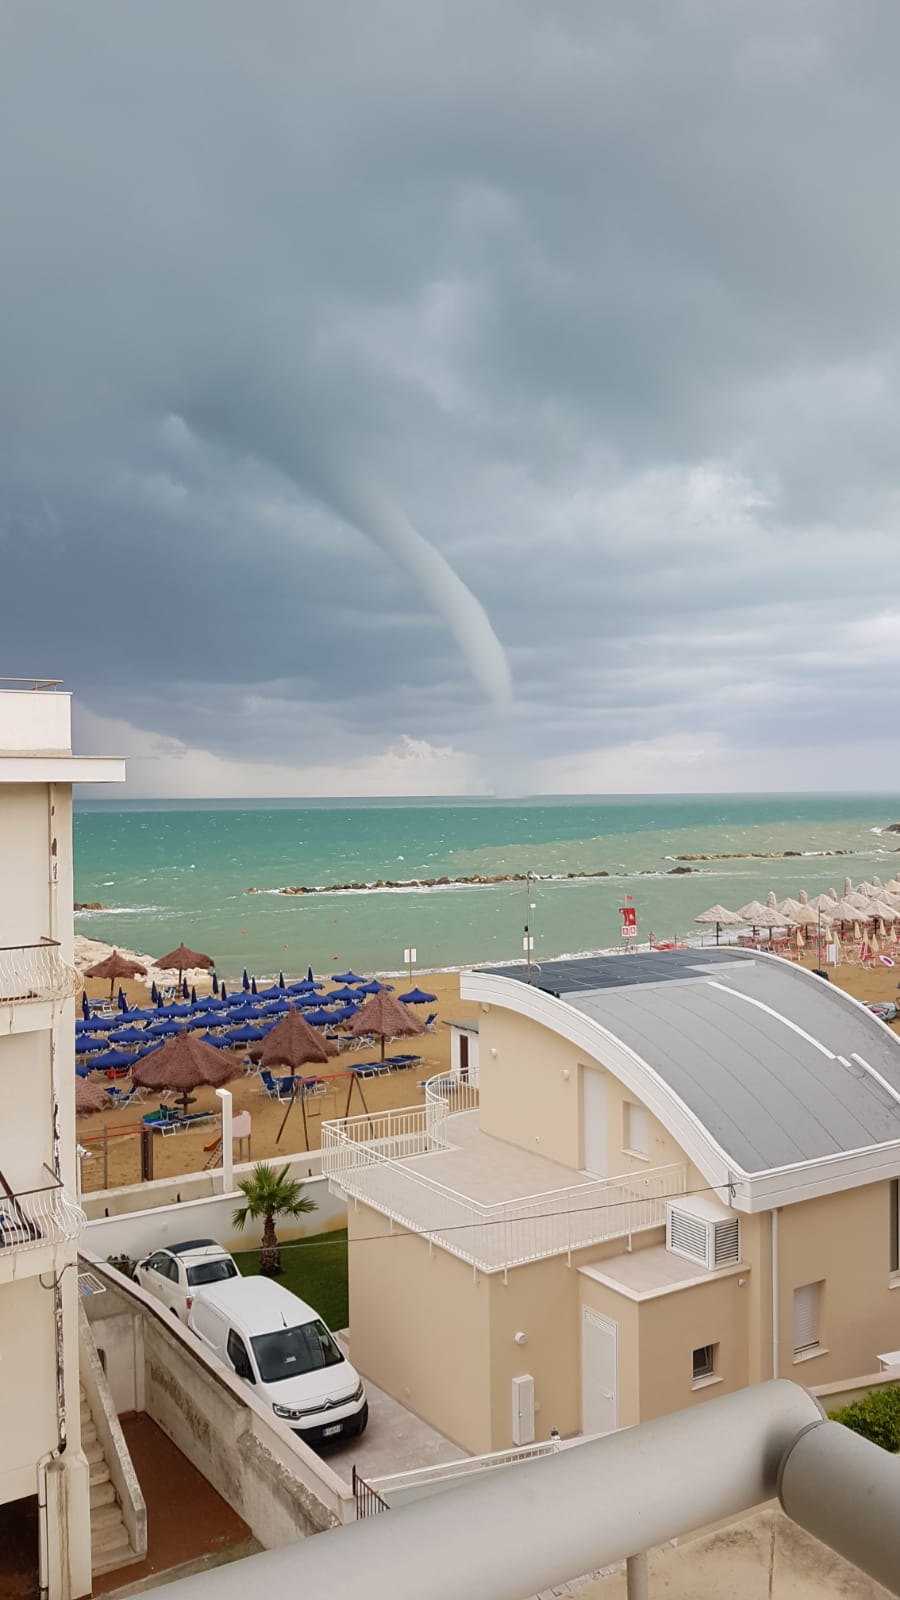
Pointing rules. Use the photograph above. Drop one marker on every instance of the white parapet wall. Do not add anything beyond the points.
(136, 1233)
(276, 1483)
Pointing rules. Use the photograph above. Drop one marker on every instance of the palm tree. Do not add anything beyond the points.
(270, 1194)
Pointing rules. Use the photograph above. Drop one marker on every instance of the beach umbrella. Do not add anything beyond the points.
(115, 966)
(419, 997)
(343, 994)
(722, 917)
(309, 975)
(245, 1034)
(385, 1016)
(104, 1024)
(753, 913)
(84, 1070)
(90, 1097)
(202, 1020)
(185, 991)
(344, 1013)
(86, 1045)
(159, 1030)
(85, 1008)
(292, 1043)
(128, 1036)
(253, 988)
(281, 980)
(121, 1002)
(319, 1018)
(348, 977)
(274, 992)
(154, 993)
(219, 1041)
(215, 984)
(185, 1063)
(223, 993)
(373, 987)
(182, 959)
(274, 1007)
(245, 981)
(305, 986)
(113, 1060)
(210, 1002)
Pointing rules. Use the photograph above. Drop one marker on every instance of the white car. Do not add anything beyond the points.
(175, 1273)
(281, 1347)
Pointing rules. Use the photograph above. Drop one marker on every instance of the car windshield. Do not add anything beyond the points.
(292, 1351)
(211, 1272)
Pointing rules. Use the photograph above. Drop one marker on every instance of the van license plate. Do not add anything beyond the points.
(336, 1427)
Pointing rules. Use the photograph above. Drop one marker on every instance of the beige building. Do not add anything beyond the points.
(678, 1175)
(44, 1489)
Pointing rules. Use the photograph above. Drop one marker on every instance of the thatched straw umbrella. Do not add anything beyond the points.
(183, 959)
(184, 1063)
(115, 966)
(721, 916)
(387, 1017)
(90, 1097)
(293, 1043)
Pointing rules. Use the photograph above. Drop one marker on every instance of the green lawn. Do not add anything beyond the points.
(315, 1269)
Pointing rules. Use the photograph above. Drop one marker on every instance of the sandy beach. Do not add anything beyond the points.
(187, 1152)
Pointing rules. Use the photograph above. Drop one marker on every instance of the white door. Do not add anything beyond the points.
(593, 1121)
(598, 1373)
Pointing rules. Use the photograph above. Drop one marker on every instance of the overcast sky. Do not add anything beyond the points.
(400, 396)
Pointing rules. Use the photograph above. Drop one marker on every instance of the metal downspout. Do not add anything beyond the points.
(774, 1278)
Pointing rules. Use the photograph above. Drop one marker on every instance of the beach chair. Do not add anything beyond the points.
(431, 1022)
(274, 1088)
(366, 1069)
(129, 1096)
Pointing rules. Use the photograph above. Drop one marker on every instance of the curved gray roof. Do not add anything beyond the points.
(778, 1066)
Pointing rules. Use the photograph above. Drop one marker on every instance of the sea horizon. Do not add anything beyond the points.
(165, 870)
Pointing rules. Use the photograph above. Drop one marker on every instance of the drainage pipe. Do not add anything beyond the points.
(846, 1492)
(538, 1525)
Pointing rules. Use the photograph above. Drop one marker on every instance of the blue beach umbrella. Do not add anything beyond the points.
(128, 1036)
(281, 980)
(374, 987)
(305, 986)
(343, 995)
(210, 1002)
(245, 981)
(160, 1029)
(215, 984)
(343, 1013)
(253, 989)
(154, 992)
(348, 977)
(112, 1060)
(245, 1035)
(85, 1008)
(202, 1020)
(121, 1002)
(86, 1044)
(418, 997)
(85, 1070)
(185, 991)
(103, 1024)
(218, 1041)
(319, 1018)
(223, 992)
(193, 995)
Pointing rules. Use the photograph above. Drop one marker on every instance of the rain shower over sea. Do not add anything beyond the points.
(165, 871)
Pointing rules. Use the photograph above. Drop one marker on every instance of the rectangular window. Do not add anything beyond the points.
(894, 1187)
(704, 1362)
(807, 1319)
(636, 1130)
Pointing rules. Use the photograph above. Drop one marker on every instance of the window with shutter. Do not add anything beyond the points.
(807, 1312)
(636, 1130)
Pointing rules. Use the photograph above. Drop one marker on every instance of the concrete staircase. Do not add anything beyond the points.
(110, 1545)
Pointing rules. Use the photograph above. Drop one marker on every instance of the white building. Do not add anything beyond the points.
(44, 1489)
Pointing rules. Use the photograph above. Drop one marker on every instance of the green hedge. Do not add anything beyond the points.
(876, 1418)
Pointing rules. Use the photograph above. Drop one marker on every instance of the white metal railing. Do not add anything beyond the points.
(23, 685)
(445, 1097)
(397, 1485)
(33, 1218)
(35, 972)
(369, 1159)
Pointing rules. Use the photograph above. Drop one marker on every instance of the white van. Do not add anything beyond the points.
(281, 1346)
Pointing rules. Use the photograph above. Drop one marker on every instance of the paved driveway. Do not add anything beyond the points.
(394, 1441)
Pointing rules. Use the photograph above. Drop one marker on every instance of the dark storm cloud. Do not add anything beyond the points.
(603, 299)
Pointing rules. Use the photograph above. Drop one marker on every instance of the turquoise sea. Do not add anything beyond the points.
(172, 871)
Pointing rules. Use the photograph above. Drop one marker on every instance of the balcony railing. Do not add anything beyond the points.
(33, 1218)
(446, 1097)
(35, 972)
(366, 1157)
